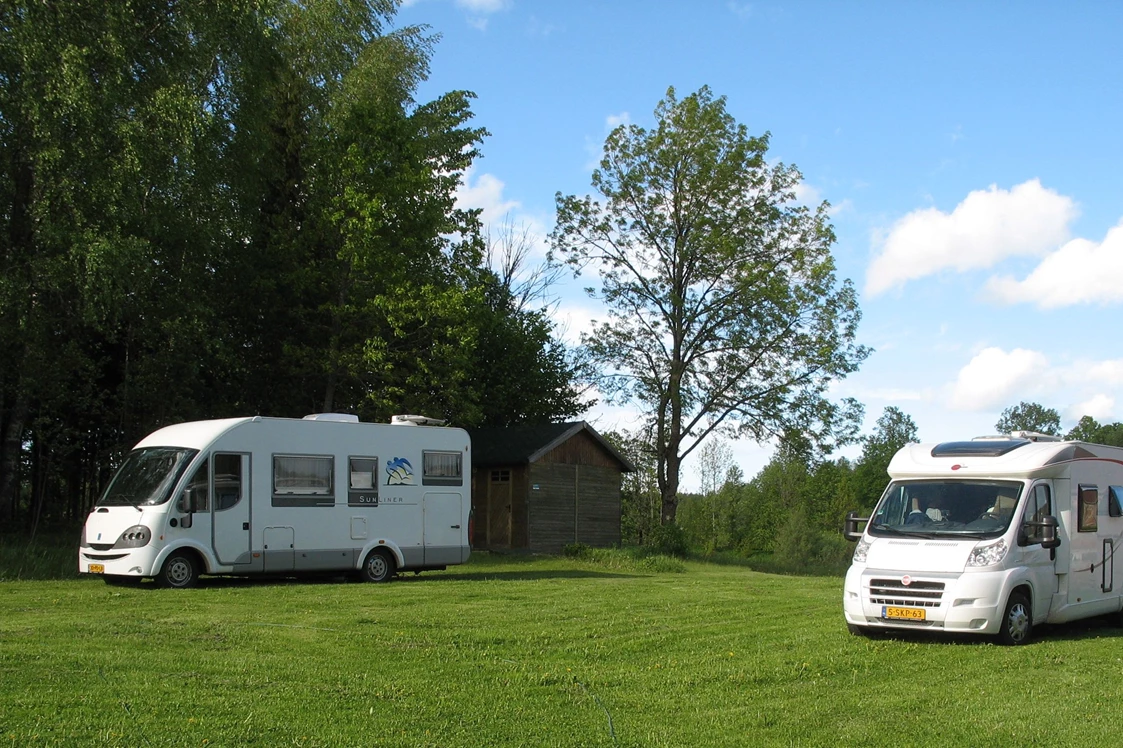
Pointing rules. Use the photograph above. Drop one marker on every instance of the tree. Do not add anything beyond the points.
(1029, 417)
(1090, 430)
(894, 429)
(724, 314)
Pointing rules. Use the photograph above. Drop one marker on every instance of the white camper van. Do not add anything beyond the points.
(989, 536)
(280, 496)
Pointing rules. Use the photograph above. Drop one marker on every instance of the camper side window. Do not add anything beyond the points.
(302, 480)
(1115, 501)
(442, 469)
(1089, 501)
(1038, 507)
(363, 481)
(227, 481)
(195, 497)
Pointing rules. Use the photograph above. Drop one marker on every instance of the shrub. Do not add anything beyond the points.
(669, 540)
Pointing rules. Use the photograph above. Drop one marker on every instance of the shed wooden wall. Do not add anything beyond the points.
(573, 504)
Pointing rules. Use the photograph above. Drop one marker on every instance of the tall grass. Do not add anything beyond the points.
(48, 554)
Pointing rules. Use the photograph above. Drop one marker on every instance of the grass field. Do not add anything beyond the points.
(526, 651)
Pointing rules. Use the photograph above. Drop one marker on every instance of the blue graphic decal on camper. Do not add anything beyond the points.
(399, 472)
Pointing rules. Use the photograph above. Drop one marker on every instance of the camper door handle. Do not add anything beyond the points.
(245, 525)
(455, 527)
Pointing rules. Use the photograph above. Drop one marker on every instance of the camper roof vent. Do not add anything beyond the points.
(1034, 436)
(995, 447)
(416, 421)
(337, 417)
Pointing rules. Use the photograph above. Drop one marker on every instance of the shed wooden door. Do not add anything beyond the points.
(499, 509)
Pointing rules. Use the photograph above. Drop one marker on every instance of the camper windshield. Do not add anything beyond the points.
(147, 476)
(939, 508)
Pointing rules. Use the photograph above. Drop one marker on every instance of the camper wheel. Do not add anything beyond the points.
(1017, 621)
(180, 571)
(379, 566)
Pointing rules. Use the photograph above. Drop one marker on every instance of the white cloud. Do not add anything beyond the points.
(501, 215)
(1080, 272)
(482, 6)
(486, 193)
(1107, 372)
(1099, 406)
(595, 148)
(986, 228)
(743, 11)
(994, 378)
(612, 121)
(807, 195)
(572, 320)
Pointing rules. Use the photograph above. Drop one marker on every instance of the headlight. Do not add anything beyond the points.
(861, 550)
(988, 555)
(136, 536)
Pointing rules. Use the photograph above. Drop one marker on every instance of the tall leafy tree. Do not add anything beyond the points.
(893, 430)
(724, 312)
(1026, 416)
(213, 209)
(108, 141)
(1091, 430)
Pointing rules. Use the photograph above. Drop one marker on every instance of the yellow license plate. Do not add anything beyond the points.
(97, 568)
(903, 614)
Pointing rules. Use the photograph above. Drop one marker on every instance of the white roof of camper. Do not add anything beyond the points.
(194, 434)
(997, 457)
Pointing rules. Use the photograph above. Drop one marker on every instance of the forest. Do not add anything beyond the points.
(218, 209)
(214, 209)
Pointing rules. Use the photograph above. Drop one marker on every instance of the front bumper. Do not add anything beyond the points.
(968, 602)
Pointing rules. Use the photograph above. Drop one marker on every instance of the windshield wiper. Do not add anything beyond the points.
(907, 533)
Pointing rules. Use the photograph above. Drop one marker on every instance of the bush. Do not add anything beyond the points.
(624, 559)
(669, 540)
(576, 550)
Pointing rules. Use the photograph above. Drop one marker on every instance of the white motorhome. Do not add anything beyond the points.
(281, 496)
(989, 536)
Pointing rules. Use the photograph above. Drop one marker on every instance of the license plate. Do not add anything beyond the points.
(903, 614)
(97, 568)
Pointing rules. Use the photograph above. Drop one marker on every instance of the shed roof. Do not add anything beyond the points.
(524, 444)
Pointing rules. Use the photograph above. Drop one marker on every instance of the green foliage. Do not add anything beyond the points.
(789, 517)
(630, 558)
(1029, 417)
(670, 540)
(1089, 430)
(894, 430)
(231, 209)
(640, 502)
(724, 310)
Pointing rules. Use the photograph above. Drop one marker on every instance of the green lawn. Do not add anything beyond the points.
(526, 652)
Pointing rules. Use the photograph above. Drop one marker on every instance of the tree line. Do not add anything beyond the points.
(791, 512)
(215, 209)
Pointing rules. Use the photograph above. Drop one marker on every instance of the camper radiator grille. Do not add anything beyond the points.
(916, 595)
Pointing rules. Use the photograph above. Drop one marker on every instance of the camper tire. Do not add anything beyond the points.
(180, 571)
(1017, 621)
(379, 566)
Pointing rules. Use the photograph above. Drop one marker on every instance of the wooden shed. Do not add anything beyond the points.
(540, 488)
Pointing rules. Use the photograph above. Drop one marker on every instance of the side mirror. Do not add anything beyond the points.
(854, 526)
(1049, 537)
(186, 506)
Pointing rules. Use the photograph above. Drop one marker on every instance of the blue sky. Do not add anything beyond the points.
(971, 153)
